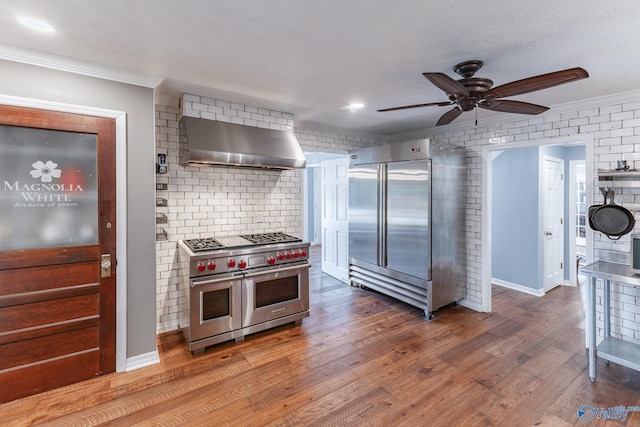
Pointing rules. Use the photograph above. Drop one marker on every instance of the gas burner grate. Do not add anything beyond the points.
(200, 245)
(266, 238)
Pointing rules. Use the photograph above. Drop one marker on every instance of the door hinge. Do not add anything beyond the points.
(561, 221)
(561, 265)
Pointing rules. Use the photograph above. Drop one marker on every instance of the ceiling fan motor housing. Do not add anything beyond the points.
(476, 87)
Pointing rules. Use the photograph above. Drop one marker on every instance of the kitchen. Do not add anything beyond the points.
(145, 316)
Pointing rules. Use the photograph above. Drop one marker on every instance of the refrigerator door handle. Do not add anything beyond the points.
(382, 215)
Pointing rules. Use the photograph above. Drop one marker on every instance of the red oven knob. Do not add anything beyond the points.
(242, 264)
(303, 253)
(288, 255)
(296, 254)
(280, 257)
(201, 267)
(272, 260)
(231, 263)
(212, 265)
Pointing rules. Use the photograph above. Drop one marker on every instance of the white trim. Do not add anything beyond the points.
(519, 288)
(143, 360)
(121, 241)
(305, 203)
(41, 59)
(488, 153)
(121, 204)
(573, 202)
(487, 212)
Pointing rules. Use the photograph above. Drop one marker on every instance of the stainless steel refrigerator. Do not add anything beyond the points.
(406, 222)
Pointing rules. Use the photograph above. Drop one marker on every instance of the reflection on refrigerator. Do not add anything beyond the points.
(406, 221)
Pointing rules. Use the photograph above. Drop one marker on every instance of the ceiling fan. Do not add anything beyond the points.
(470, 92)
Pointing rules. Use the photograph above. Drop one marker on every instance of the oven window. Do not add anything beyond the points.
(215, 304)
(277, 290)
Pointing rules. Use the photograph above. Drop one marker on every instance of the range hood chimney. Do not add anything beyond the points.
(213, 142)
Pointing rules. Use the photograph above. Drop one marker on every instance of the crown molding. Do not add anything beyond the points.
(60, 63)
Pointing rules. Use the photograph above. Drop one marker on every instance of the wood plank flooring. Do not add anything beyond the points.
(363, 359)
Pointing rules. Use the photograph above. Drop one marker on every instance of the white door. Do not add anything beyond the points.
(317, 205)
(553, 208)
(335, 228)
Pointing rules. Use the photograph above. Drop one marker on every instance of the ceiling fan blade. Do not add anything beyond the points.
(517, 107)
(449, 116)
(531, 84)
(447, 84)
(431, 104)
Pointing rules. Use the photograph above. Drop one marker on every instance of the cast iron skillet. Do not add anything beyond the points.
(594, 208)
(612, 220)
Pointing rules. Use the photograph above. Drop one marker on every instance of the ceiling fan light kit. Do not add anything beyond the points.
(471, 92)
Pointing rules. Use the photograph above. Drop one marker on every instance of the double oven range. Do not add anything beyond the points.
(234, 286)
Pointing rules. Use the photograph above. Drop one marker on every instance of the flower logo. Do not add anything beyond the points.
(45, 171)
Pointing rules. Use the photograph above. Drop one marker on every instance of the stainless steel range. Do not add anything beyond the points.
(239, 285)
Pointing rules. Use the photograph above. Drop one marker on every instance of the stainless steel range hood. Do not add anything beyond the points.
(220, 143)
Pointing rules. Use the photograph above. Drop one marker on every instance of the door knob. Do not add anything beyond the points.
(105, 266)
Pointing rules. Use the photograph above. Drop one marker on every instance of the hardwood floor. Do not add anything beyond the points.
(363, 359)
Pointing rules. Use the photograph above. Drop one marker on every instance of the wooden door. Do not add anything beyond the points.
(57, 233)
(335, 227)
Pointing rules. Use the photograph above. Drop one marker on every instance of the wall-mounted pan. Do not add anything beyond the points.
(614, 221)
(594, 208)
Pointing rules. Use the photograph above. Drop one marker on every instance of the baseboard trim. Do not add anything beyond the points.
(519, 288)
(142, 360)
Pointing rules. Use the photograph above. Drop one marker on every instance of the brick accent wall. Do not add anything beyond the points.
(205, 201)
(615, 129)
(222, 200)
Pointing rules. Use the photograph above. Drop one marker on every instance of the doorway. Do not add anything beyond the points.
(325, 210)
(58, 251)
(578, 215)
(553, 214)
(568, 147)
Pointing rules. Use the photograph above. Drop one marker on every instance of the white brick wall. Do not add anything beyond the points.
(205, 201)
(616, 136)
(261, 200)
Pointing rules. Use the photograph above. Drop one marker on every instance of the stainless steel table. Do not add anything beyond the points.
(622, 352)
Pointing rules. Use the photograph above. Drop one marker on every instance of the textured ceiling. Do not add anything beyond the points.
(313, 57)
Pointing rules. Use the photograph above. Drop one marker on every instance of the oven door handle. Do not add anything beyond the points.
(263, 272)
(198, 283)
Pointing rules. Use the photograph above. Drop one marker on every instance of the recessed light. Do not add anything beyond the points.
(36, 24)
(356, 105)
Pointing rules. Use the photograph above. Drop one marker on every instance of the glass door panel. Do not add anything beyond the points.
(48, 188)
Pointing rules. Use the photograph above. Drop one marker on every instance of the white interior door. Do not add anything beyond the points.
(553, 208)
(317, 204)
(335, 228)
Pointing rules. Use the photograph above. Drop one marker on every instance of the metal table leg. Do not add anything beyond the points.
(591, 324)
(607, 307)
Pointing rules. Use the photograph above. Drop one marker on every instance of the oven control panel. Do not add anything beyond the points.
(212, 263)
